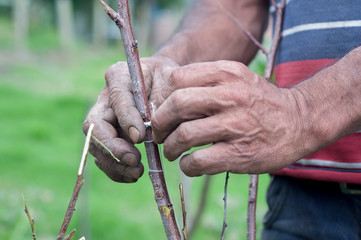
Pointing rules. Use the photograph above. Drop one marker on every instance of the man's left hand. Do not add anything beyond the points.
(251, 125)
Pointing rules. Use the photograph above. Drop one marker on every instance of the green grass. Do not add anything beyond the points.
(44, 98)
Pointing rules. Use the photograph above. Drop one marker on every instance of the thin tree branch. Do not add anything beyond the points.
(78, 184)
(252, 201)
(201, 206)
(275, 40)
(271, 56)
(31, 220)
(156, 174)
(245, 31)
(184, 230)
(70, 235)
(112, 14)
(225, 206)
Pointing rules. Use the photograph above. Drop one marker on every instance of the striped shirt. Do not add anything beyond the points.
(315, 34)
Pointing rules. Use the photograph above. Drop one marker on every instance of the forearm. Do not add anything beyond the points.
(331, 101)
(207, 33)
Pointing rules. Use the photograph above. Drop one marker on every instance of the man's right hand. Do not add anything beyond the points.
(118, 124)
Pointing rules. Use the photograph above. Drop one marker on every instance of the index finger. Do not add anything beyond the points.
(188, 104)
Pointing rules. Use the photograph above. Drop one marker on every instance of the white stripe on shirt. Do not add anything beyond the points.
(326, 163)
(322, 25)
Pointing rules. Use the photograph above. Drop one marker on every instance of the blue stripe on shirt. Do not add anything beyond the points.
(319, 44)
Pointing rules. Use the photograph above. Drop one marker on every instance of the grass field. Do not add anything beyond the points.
(44, 98)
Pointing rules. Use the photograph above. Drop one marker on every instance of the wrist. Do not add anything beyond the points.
(313, 132)
(330, 103)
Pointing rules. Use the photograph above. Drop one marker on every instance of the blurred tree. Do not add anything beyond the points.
(65, 22)
(21, 26)
(100, 22)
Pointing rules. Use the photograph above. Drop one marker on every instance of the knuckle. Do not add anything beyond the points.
(232, 65)
(117, 73)
(86, 125)
(176, 100)
(109, 74)
(231, 69)
(185, 135)
(197, 161)
(115, 98)
(113, 69)
(176, 76)
(155, 123)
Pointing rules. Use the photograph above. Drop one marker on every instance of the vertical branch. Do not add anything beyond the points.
(271, 56)
(253, 184)
(201, 205)
(252, 201)
(156, 174)
(184, 230)
(225, 206)
(31, 220)
(78, 184)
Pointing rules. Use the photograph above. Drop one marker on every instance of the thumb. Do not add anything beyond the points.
(122, 102)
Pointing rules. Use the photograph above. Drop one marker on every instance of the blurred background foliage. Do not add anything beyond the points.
(53, 56)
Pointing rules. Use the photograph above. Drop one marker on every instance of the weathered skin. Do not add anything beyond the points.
(264, 128)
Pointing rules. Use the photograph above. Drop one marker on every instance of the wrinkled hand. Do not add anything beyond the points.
(118, 123)
(252, 126)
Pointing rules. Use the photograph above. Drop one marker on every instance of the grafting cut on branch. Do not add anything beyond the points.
(271, 55)
(78, 184)
(156, 174)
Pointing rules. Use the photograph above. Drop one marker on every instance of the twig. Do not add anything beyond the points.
(245, 31)
(70, 235)
(78, 184)
(165, 207)
(225, 206)
(253, 184)
(31, 220)
(184, 230)
(201, 206)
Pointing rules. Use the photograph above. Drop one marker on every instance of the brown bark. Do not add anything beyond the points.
(156, 174)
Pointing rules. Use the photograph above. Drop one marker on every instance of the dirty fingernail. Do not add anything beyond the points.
(134, 134)
(130, 159)
(128, 179)
(134, 172)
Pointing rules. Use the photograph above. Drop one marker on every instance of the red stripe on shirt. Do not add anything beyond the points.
(291, 73)
(345, 150)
